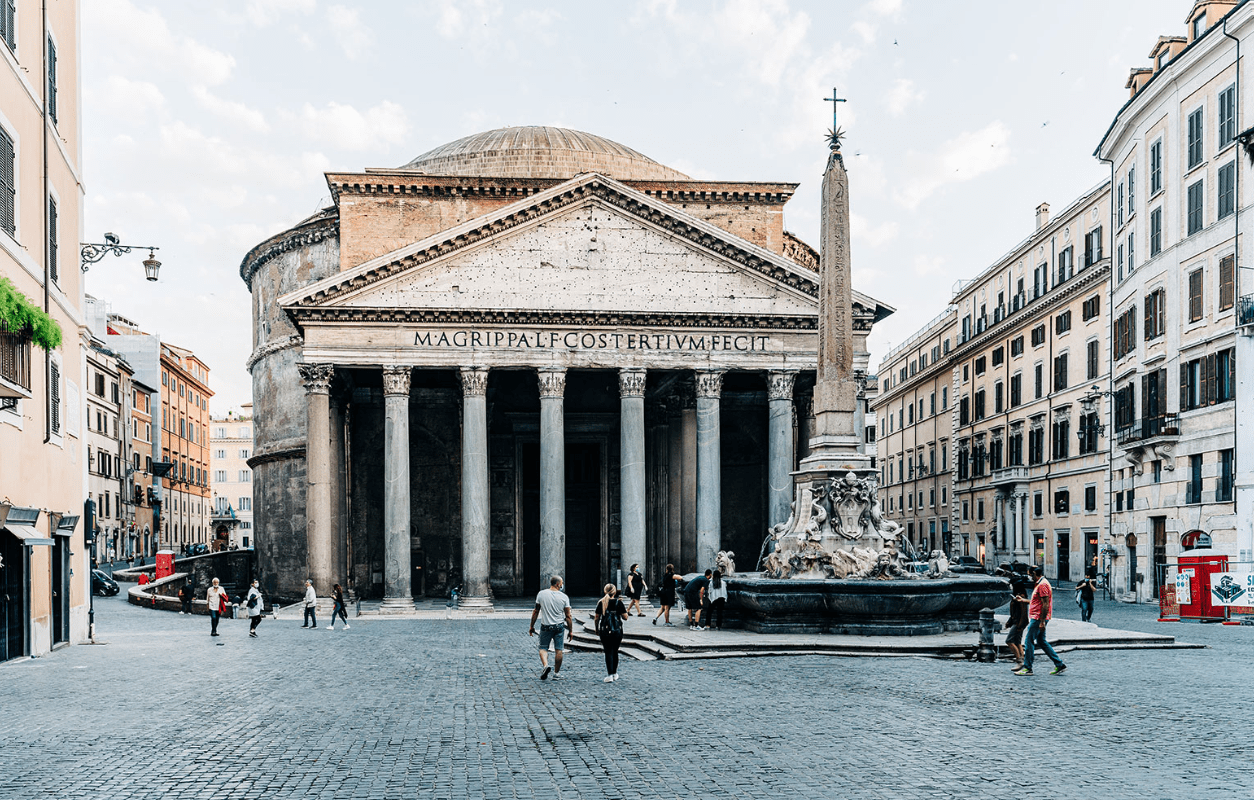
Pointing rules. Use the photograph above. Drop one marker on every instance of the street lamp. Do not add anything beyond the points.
(90, 253)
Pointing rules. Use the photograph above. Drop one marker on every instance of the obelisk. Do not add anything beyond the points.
(834, 446)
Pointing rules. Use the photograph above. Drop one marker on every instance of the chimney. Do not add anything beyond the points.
(1042, 216)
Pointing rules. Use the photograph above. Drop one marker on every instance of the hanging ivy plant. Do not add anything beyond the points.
(19, 315)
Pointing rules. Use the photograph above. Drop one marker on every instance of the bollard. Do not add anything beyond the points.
(987, 652)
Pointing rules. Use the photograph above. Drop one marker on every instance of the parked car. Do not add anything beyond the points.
(967, 564)
(102, 584)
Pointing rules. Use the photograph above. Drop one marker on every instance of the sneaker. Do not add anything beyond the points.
(253, 634)
(1023, 671)
(655, 620)
(332, 627)
(615, 676)
(1058, 670)
(345, 626)
(544, 675)
(304, 626)
(557, 676)
(608, 679)
(670, 624)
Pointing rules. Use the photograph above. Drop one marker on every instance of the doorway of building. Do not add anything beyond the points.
(1130, 541)
(1158, 527)
(12, 597)
(60, 589)
(1090, 555)
(583, 519)
(1064, 556)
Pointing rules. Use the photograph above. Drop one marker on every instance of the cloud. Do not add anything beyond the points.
(925, 265)
(264, 12)
(459, 18)
(353, 35)
(864, 232)
(885, 8)
(901, 96)
(230, 110)
(140, 38)
(346, 127)
(135, 96)
(866, 30)
(964, 158)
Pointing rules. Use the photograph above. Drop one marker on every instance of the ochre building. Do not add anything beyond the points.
(532, 351)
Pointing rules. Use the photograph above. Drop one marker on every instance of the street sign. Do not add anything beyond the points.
(1232, 588)
(1184, 587)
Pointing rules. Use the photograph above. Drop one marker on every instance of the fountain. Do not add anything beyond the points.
(835, 566)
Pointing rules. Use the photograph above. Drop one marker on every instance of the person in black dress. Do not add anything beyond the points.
(636, 588)
(610, 616)
(666, 595)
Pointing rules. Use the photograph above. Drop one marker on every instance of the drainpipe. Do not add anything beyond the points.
(1110, 386)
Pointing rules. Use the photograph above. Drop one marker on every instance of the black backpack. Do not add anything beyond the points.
(611, 623)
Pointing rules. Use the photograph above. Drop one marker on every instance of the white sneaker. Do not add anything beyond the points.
(332, 627)
(557, 676)
(345, 626)
(608, 679)
(614, 676)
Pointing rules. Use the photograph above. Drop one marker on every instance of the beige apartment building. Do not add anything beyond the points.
(1179, 155)
(231, 442)
(107, 433)
(992, 417)
(185, 415)
(44, 575)
(139, 491)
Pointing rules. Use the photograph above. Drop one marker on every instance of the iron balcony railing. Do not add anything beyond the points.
(14, 364)
(1245, 311)
(1149, 428)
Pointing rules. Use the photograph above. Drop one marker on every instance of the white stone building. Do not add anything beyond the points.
(231, 445)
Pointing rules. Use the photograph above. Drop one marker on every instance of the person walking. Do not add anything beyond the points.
(1018, 620)
(666, 595)
(339, 609)
(1040, 611)
(215, 599)
(716, 594)
(610, 615)
(254, 603)
(636, 587)
(553, 611)
(311, 603)
(694, 599)
(186, 593)
(1084, 594)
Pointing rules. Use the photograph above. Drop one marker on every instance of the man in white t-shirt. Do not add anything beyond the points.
(553, 611)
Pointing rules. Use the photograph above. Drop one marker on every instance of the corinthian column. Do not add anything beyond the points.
(397, 592)
(476, 533)
(631, 384)
(709, 471)
(319, 545)
(552, 474)
(779, 386)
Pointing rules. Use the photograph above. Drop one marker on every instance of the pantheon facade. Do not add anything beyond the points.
(532, 351)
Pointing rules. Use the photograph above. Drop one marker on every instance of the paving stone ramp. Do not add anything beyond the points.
(644, 641)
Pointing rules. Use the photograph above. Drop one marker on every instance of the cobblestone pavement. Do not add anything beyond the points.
(453, 709)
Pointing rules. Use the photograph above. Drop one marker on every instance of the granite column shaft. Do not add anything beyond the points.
(552, 475)
(318, 513)
(709, 468)
(476, 532)
(779, 387)
(634, 500)
(397, 580)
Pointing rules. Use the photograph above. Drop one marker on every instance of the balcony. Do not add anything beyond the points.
(1245, 312)
(14, 364)
(1165, 426)
(1009, 476)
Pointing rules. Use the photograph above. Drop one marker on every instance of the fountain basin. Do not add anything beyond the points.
(863, 607)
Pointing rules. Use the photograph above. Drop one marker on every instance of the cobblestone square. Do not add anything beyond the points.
(453, 709)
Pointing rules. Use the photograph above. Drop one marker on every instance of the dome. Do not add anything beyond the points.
(538, 151)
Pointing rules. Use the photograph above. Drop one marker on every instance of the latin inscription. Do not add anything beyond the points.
(586, 340)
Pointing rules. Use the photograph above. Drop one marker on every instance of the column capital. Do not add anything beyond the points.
(631, 382)
(709, 383)
(779, 384)
(316, 377)
(552, 382)
(474, 381)
(396, 380)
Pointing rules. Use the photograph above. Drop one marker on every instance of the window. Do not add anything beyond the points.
(910, 418)
(979, 511)
(1196, 199)
(1193, 489)
(1131, 191)
(1062, 439)
(1062, 501)
(245, 476)
(1094, 366)
(1088, 433)
(1038, 336)
(1016, 389)
(1207, 380)
(1224, 375)
(52, 240)
(1199, 25)
(1016, 346)
(999, 356)
(1066, 265)
(219, 454)
(219, 475)
(244, 453)
(932, 403)
(8, 26)
(1161, 60)
(1227, 201)
(1156, 232)
(1224, 493)
(979, 405)
(52, 81)
(1155, 314)
(54, 397)
(981, 365)
(1131, 253)
(1156, 167)
(1092, 247)
(1227, 115)
(245, 504)
(944, 397)
(1090, 498)
(1039, 380)
(1119, 205)
(1040, 281)
(1060, 372)
(1091, 308)
(8, 180)
(1195, 138)
(999, 396)
(1154, 395)
(1036, 447)
(1195, 295)
(1015, 454)
(1227, 287)
(964, 411)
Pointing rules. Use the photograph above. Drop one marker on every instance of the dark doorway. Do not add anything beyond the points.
(1090, 556)
(583, 518)
(1064, 557)
(1158, 527)
(12, 597)
(60, 589)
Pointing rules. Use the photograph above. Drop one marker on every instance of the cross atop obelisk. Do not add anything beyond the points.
(834, 99)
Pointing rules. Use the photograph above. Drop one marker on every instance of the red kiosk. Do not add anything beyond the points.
(165, 563)
(1196, 567)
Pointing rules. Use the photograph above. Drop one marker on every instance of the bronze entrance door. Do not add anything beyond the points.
(583, 519)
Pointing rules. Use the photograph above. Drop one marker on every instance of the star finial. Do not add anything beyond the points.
(834, 138)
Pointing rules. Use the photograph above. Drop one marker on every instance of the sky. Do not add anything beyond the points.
(208, 126)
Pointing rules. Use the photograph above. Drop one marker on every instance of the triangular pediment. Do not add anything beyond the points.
(590, 244)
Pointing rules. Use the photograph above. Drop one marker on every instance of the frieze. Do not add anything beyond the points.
(588, 340)
(453, 316)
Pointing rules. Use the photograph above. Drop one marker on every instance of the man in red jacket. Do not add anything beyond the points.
(1040, 611)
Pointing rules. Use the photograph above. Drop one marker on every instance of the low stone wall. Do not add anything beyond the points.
(234, 569)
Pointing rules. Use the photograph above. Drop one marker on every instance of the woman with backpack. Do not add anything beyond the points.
(254, 603)
(666, 595)
(339, 609)
(610, 615)
(717, 595)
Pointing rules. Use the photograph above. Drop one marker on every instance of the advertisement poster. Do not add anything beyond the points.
(1184, 587)
(1232, 589)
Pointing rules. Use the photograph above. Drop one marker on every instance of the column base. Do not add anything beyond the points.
(397, 605)
(475, 605)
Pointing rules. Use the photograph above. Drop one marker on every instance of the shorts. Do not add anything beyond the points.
(1015, 635)
(556, 634)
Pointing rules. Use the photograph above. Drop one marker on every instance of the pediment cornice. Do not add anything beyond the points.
(461, 316)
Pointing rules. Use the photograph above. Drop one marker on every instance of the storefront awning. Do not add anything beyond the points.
(27, 535)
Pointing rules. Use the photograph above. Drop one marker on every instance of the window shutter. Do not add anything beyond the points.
(1226, 283)
(1149, 317)
(54, 397)
(8, 185)
(8, 9)
(52, 239)
(52, 81)
(1211, 381)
